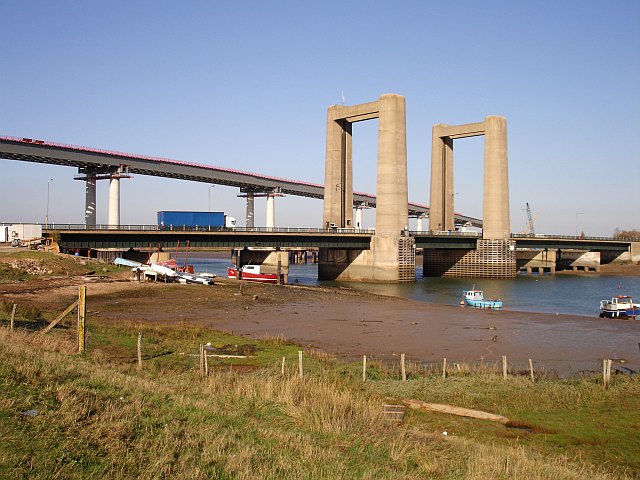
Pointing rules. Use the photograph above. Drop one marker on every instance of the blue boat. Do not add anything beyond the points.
(475, 298)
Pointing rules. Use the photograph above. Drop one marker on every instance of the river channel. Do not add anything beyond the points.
(564, 293)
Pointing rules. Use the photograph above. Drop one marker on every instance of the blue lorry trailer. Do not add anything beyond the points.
(168, 219)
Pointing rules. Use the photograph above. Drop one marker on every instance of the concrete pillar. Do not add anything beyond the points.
(359, 217)
(419, 223)
(90, 201)
(249, 220)
(495, 211)
(441, 192)
(271, 211)
(392, 198)
(338, 185)
(114, 201)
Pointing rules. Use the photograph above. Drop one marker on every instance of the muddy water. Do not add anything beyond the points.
(569, 294)
(550, 319)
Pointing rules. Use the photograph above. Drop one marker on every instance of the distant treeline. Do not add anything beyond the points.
(626, 233)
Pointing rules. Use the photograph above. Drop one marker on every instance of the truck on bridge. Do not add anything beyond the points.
(174, 220)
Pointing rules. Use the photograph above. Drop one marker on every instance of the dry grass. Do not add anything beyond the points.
(99, 420)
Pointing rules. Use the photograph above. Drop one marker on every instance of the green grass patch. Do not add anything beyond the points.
(98, 416)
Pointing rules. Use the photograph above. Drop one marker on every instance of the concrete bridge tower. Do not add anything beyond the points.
(391, 257)
(495, 252)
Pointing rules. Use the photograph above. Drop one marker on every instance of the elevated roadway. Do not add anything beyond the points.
(87, 159)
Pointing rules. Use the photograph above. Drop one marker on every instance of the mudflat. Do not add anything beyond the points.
(350, 324)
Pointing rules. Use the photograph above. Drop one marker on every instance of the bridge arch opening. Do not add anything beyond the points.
(495, 196)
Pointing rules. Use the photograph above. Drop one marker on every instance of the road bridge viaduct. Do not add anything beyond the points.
(94, 164)
(542, 254)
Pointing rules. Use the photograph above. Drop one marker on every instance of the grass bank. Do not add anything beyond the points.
(98, 416)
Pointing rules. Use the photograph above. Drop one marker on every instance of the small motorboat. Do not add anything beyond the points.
(620, 306)
(184, 277)
(475, 298)
(252, 273)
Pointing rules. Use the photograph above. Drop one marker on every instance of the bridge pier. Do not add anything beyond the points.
(90, 176)
(271, 210)
(540, 260)
(250, 211)
(114, 201)
(490, 259)
(90, 200)
(390, 259)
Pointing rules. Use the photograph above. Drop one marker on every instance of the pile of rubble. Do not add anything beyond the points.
(32, 267)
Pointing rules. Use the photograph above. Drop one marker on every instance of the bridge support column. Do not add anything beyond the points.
(114, 201)
(271, 210)
(495, 209)
(90, 201)
(419, 223)
(249, 220)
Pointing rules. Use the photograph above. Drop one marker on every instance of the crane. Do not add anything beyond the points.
(530, 221)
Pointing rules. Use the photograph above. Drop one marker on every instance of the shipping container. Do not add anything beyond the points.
(25, 231)
(178, 219)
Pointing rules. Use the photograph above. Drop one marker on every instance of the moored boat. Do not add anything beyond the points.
(252, 273)
(620, 306)
(475, 298)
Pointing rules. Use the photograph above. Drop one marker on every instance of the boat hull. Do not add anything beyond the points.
(496, 304)
(625, 313)
(252, 277)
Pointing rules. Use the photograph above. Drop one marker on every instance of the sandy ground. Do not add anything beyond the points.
(350, 324)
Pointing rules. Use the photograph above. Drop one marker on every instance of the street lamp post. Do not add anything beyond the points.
(46, 218)
(210, 187)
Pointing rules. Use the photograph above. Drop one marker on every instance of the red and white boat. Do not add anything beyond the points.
(252, 273)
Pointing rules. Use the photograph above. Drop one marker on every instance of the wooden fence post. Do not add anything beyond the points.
(282, 368)
(139, 350)
(504, 367)
(13, 314)
(200, 356)
(606, 372)
(533, 379)
(300, 372)
(444, 369)
(402, 366)
(82, 310)
(205, 359)
(364, 368)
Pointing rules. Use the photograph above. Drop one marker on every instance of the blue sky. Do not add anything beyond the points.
(246, 85)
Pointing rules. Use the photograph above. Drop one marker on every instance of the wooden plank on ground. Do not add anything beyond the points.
(462, 412)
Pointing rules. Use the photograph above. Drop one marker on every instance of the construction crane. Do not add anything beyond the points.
(530, 221)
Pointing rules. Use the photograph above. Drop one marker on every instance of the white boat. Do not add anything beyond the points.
(475, 298)
(125, 262)
(620, 306)
(184, 277)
